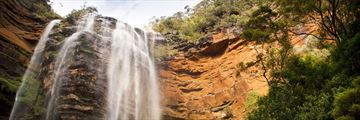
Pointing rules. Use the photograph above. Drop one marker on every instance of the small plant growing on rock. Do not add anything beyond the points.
(251, 100)
(164, 52)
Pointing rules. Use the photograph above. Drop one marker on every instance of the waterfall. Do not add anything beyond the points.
(132, 85)
(103, 70)
(33, 66)
(85, 25)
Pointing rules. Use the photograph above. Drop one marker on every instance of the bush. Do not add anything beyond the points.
(305, 79)
(251, 100)
(347, 103)
(163, 52)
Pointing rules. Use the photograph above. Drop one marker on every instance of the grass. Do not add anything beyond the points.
(251, 99)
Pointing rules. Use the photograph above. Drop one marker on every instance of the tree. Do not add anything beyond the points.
(311, 81)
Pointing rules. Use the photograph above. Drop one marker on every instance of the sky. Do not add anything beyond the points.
(137, 13)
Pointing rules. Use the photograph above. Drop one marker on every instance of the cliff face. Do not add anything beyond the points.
(69, 83)
(209, 82)
(83, 86)
(20, 29)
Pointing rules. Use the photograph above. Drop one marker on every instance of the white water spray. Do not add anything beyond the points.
(132, 85)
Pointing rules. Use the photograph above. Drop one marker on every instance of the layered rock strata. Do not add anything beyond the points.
(206, 81)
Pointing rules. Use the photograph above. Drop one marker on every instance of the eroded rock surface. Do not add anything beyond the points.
(205, 83)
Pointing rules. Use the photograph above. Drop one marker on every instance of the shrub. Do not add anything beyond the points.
(163, 52)
(347, 103)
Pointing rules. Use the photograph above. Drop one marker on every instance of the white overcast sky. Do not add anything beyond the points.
(137, 13)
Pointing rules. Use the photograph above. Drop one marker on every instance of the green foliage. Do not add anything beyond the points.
(347, 54)
(347, 103)
(43, 11)
(312, 81)
(8, 89)
(298, 91)
(336, 18)
(256, 34)
(315, 85)
(251, 100)
(77, 14)
(264, 27)
(163, 52)
(243, 66)
(207, 16)
(9, 85)
(32, 97)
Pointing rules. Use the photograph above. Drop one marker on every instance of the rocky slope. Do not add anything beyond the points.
(20, 29)
(209, 82)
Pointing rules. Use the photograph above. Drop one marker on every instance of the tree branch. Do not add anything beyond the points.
(263, 65)
(304, 33)
(323, 23)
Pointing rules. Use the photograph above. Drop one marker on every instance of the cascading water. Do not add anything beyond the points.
(85, 25)
(132, 90)
(98, 72)
(32, 70)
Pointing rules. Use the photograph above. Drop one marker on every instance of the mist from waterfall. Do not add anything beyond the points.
(123, 73)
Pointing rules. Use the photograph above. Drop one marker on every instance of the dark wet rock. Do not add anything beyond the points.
(83, 85)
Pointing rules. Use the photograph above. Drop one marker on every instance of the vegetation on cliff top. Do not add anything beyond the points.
(41, 10)
(311, 85)
(77, 14)
(206, 17)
